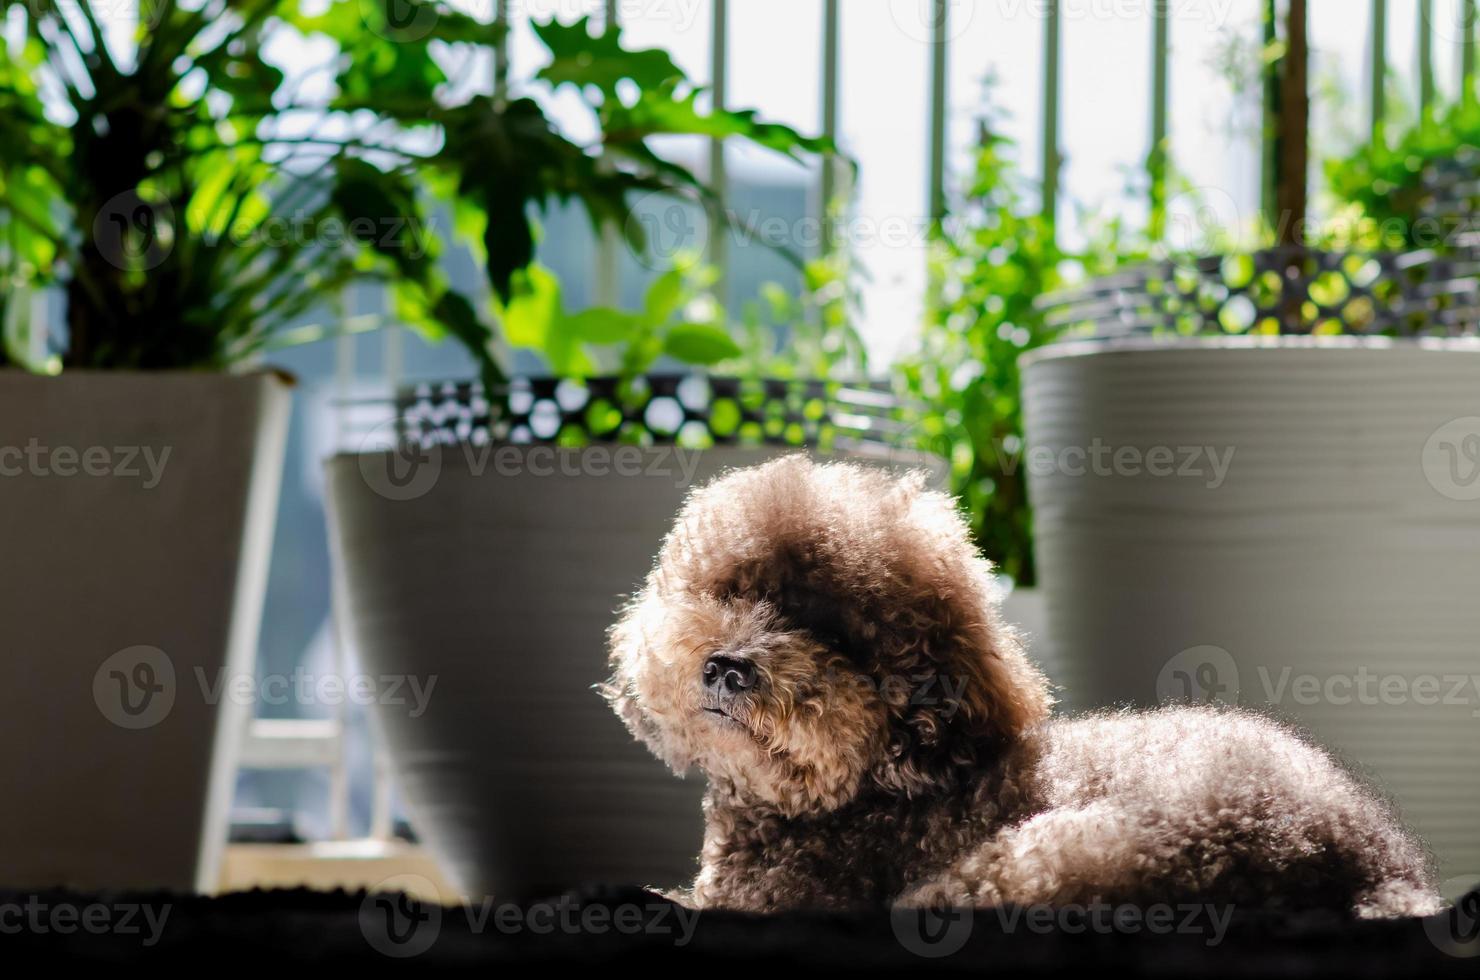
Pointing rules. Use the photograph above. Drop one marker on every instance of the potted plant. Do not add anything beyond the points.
(488, 538)
(163, 196)
(1254, 483)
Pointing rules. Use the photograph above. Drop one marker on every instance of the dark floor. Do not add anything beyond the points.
(612, 927)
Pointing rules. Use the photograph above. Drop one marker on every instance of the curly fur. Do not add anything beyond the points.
(896, 746)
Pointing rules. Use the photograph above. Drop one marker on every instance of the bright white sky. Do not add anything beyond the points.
(775, 52)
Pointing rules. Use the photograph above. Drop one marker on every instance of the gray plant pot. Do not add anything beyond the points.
(1026, 610)
(496, 582)
(136, 515)
(1329, 574)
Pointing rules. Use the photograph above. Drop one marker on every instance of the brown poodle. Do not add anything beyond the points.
(823, 641)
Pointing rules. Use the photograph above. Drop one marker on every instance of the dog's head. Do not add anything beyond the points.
(814, 631)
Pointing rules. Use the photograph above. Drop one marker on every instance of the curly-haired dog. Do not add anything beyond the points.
(823, 641)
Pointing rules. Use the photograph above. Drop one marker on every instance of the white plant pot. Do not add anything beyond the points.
(1329, 575)
(1026, 609)
(494, 585)
(136, 516)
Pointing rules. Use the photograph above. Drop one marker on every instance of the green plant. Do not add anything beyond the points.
(993, 258)
(677, 318)
(808, 335)
(150, 188)
(1379, 188)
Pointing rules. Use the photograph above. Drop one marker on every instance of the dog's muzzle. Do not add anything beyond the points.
(726, 680)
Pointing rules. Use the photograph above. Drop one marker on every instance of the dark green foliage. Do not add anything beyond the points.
(187, 228)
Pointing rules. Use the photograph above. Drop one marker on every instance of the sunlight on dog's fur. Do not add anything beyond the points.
(823, 641)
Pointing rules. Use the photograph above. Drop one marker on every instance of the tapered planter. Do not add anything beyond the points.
(136, 515)
(490, 573)
(1288, 524)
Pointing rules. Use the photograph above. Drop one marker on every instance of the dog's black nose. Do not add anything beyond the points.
(728, 675)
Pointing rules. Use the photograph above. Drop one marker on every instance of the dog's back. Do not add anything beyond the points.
(1191, 804)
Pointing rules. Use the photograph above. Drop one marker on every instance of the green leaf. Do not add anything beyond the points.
(378, 209)
(601, 325)
(665, 296)
(666, 111)
(581, 58)
(700, 343)
(533, 311)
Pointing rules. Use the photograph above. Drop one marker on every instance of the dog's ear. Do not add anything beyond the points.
(956, 681)
(958, 688)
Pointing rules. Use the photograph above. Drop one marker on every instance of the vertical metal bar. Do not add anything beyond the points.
(1051, 161)
(382, 822)
(1467, 51)
(830, 163)
(1425, 57)
(501, 50)
(1378, 68)
(38, 325)
(393, 351)
(344, 367)
(1270, 160)
(344, 382)
(719, 67)
(1158, 159)
(608, 246)
(339, 770)
(1294, 127)
(938, 54)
